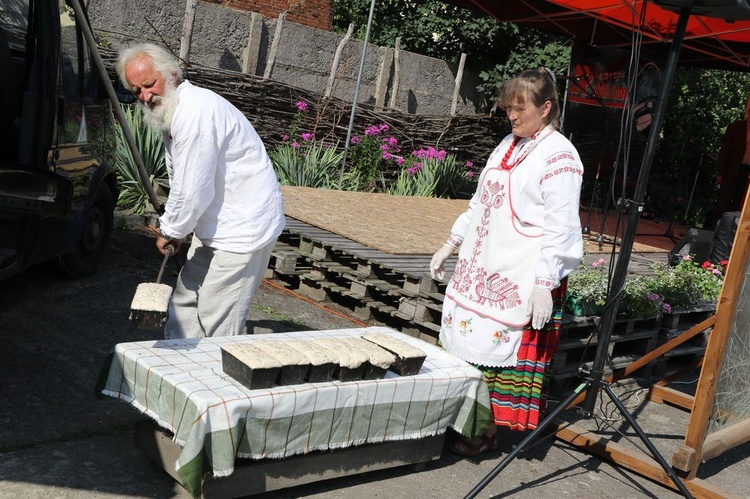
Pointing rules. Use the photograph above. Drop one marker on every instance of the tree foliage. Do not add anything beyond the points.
(701, 105)
(495, 50)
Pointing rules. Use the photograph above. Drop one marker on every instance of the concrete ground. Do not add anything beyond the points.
(57, 440)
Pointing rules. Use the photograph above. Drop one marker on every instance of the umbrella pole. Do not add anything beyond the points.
(594, 379)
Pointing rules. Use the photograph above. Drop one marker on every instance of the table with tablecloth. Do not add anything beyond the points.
(215, 419)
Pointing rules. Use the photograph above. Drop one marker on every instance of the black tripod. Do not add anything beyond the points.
(594, 382)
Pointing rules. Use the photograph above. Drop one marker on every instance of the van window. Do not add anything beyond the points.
(76, 78)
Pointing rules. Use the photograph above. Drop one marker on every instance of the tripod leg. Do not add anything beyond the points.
(526, 441)
(644, 438)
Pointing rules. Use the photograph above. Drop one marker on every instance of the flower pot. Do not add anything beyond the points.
(579, 307)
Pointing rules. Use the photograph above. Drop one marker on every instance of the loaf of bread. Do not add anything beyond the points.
(379, 359)
(409, 359)
(294, 364)
(249, 365)
(351, 361)
(323, 363)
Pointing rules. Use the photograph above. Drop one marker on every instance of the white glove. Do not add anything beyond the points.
(540, 307)
(438, 259)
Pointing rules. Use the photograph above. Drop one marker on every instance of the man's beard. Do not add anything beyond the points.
(159, 117)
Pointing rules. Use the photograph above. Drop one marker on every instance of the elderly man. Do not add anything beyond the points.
(223, 189)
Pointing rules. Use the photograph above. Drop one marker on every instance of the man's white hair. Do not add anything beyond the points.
(163, 61)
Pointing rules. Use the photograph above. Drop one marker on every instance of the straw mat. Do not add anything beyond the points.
(411, 225)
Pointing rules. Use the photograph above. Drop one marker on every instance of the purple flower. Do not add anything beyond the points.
(391, 141)
(295, 144)
(383, 127)
(354, 140)
(308, 136)
(285, 137)
(470, 174)
(469, 164)
(301, 106)
(666, 308)
(387, 155)
(400, 161)
(372, 130)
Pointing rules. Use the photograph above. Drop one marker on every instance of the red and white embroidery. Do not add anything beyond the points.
(499, 291)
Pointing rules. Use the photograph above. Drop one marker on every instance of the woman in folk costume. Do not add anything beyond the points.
(518, 240)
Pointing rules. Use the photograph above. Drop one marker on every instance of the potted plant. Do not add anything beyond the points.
(686, 285)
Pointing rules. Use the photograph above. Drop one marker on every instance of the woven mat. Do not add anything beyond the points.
(410, 225)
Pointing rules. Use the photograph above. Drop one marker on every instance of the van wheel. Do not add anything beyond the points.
(89, 251)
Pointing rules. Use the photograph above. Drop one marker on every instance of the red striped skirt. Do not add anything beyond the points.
(518, 394)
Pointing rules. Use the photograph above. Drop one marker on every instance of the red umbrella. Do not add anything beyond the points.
(719, 39)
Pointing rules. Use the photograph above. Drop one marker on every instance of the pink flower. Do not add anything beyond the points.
(383, 127)
(470, 174)
(666, 308)
(686, 258)
(301, 106)
(469, 164)
(308, 136)
(400, 161)
(354, 140)
(372, 130)
(716, 271)
(295, 144)
(285, 137)
(599, 263)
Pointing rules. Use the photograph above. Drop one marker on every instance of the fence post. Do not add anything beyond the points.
(385, 55)
(187, 32)
(252, 48)
(274, 45)
(457, 86)
(336, 60)
(396, 74)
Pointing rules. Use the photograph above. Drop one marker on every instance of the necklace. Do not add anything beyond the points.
(504, 164)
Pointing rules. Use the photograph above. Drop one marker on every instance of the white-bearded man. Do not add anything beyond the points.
(223, 189)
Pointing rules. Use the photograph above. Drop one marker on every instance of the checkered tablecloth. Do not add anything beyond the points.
(215, 419)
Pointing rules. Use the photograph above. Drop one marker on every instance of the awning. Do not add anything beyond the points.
(710, 42)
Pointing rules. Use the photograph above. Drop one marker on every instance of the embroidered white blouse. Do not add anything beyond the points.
(223, 187)
(546, 192)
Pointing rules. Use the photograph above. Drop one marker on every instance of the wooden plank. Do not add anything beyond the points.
(264, 475)
(457, 84)
(396, 72)
(662, 394)
(634, 461)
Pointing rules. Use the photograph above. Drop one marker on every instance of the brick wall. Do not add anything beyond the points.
(312, 13)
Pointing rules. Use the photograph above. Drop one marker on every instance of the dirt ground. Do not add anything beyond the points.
(58, 440)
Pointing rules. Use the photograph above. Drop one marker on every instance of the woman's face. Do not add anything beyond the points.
(526, 118)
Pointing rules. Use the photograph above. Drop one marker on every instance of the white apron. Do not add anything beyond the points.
(486, 302)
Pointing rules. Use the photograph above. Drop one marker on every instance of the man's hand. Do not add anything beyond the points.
(540, 307)
(438, 259)
(162, 242)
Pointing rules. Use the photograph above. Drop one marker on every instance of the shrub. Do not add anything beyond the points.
(150, 145)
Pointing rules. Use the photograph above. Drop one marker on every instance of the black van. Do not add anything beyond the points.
(58, 184)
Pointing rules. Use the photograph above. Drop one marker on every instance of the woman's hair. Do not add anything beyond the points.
(163, 61)
(537, 85)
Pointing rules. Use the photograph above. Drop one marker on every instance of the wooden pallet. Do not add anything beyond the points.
(398, 291)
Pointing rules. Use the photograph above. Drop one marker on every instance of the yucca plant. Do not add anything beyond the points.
(413, 183)
(310, 164)
(134, 196)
